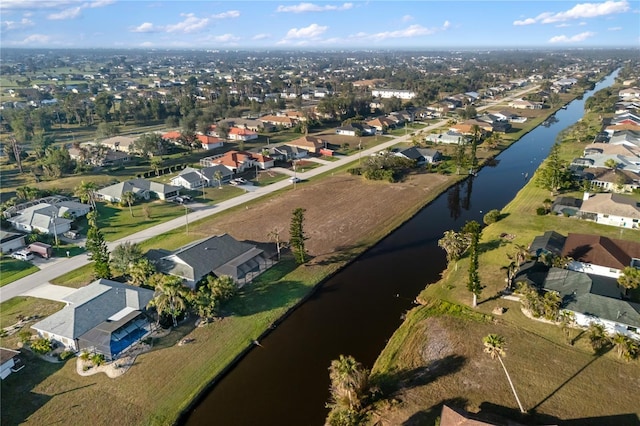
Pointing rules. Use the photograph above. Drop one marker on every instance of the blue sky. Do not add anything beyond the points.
(426, 24)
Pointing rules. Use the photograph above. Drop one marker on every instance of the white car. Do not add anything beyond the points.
(295, 179)
(23, 255)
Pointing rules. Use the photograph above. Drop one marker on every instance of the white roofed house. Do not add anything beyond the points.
(141, 188)
(104, 317)
(611, 209)
(44, 218)
(191, 178)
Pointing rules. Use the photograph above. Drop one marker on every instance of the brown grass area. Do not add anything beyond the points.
(442, 360)
(341, 211)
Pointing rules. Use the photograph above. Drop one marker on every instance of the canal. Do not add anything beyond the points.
(286, 381)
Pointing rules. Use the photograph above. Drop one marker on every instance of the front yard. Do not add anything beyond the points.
(14, 269)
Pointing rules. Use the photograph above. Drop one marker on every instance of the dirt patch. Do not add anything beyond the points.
(342, 211)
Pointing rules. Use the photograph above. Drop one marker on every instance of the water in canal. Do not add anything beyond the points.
(286, 381)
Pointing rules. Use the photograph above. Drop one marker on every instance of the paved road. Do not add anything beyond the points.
(60, 266)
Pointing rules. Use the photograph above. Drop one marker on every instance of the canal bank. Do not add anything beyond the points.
(359, 307)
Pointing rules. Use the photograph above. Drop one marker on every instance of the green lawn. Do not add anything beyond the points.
(19, 307)
(14, 269)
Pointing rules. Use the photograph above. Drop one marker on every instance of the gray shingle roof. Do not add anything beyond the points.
(91, 305)
(194, 261)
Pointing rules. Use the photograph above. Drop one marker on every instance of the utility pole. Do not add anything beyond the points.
(359, 151)
(16, 153)
(55, 231)
(186, 217)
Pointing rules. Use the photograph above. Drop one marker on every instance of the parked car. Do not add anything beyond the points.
(295, 179)
(72, 235)
(23, 254)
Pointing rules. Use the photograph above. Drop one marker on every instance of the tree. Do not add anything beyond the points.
(86, 191)
(105, 130)
(211, 294)
(455, 244)
(56, 162)
(567, 319)
(274, 235)
(99, 253)
(297, 235)
(129, 198)
(461, 156)
(492, 216)
(217, 175)
(597, 337)
(494, 346)
(627, 348)
(124, 256)
(40, 143)
(611, 163)
(170, 297)
(630, 278)
(150, 144)
(554, 173)
(140, 271)
(155, 165)
(473, 283)
(103, 105)
(349, 382)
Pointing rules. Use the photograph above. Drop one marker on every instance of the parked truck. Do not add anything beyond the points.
(41, 249)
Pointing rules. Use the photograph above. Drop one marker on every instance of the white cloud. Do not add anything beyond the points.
(311, 32)
(573, 39)
(311, 7)
(227, 14)
(146, 44)
(145, 27)
(615, 29)
(579, 11)
(564, 25)
(70, 13)
(407, 18)
(190, 24)
(225, 38)
(100, 3)
(36, 39)
(15, 25)
(411, 31)
(262, 36)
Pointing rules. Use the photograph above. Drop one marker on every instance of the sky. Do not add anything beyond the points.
(224, 25)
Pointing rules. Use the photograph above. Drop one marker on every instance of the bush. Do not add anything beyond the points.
(356, 171)
(66, 355)
(541, 211)
(84, 356)
(492, 216)
(25, 336)
(41, 346)
(97, 359)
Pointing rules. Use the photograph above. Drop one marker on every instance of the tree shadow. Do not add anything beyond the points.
(499, 414)
(342, 254)
(184, 327)
(17, 396)
(394, 381)
(491, 245)
(265, 296)
(598, 354)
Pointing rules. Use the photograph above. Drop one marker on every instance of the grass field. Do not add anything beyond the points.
(14, 269)
(13, 310)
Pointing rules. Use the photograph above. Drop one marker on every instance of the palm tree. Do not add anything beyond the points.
(494, 346)
(218, 176)
(630, 278)
(567, 318)
(170, 296)
(140, 271)
(512, 270)
(129, 198)
(274, 235)
(349, 382)
(597, 337)
(87, 193)
(455, 244)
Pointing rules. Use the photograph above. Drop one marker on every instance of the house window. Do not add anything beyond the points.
(605, 215)
(613, 271)
(633, 329)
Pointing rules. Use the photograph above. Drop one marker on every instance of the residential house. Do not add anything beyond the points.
(278, 120)
(421, 156)
(628, 138)
(468, 127)
(522, 104)
(141, 188)
(120, 143)
(310, 143)
(612, 180)
(210, 142)
(614, 128)
(238, 161)
(220, 255)
(610, 209)
(449, 137)
(105, 317)
(550, 242)
(594, 299)
(10, 362)
(287, 153)
(393, 93)
(381, 124)
(10, 241)
(173, 136)
(566, 206)
(355, 129)
(595, 254)
(238, 134)
(43, 217)
(629, 93)
(191, 178)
